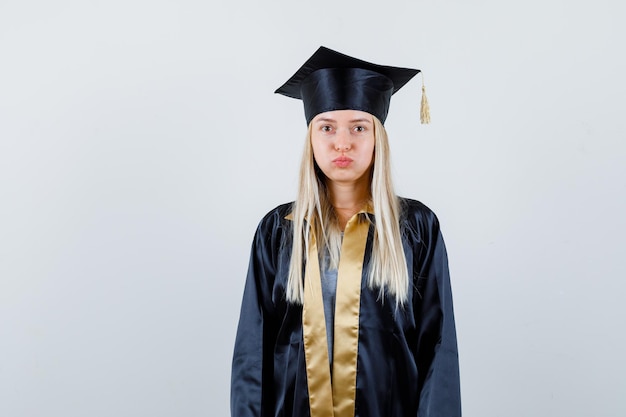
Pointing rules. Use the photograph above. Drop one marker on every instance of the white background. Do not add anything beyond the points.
(141, 142)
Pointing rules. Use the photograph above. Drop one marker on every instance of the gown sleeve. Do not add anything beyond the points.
(252, 365)
(437, 345)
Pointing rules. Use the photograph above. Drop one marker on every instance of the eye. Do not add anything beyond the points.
(359, 129)
(326, 128)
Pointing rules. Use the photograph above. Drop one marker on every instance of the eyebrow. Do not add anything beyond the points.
(329, 120)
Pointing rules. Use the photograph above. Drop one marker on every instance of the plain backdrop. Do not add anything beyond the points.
(141, 143)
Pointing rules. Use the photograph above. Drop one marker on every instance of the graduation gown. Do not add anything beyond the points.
(407, 363)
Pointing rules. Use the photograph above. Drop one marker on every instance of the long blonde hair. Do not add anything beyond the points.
(387, 267)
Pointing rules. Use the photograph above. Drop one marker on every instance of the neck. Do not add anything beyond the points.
(348, 199)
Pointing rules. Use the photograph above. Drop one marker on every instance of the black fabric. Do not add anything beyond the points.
(330, 80)
(407, 363)
(346, 88)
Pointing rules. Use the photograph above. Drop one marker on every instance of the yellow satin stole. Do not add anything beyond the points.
(334, 398)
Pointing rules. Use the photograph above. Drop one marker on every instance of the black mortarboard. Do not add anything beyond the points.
(330, 80)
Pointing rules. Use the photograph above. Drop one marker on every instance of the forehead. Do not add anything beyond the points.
(343, 116)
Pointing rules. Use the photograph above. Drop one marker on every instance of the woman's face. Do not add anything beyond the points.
(343, 144)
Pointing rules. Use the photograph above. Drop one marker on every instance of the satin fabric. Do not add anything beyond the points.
(346, 325)
(347, 308)
(330, 89)
(407, 361)
(315, 340)
(330, 80)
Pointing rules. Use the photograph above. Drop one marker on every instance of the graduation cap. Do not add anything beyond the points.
(330, 80)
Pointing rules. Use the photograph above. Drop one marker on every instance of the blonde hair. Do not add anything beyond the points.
(312, 208)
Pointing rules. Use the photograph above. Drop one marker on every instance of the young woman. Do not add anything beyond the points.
(347, 309)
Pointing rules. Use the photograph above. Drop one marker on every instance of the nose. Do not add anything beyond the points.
(342, 142)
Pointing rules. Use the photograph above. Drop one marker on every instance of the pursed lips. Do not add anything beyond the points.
(342, 161)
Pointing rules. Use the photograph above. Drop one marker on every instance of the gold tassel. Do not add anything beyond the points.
(425, 108)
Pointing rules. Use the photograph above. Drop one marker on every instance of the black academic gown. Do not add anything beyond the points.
(407, 362)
